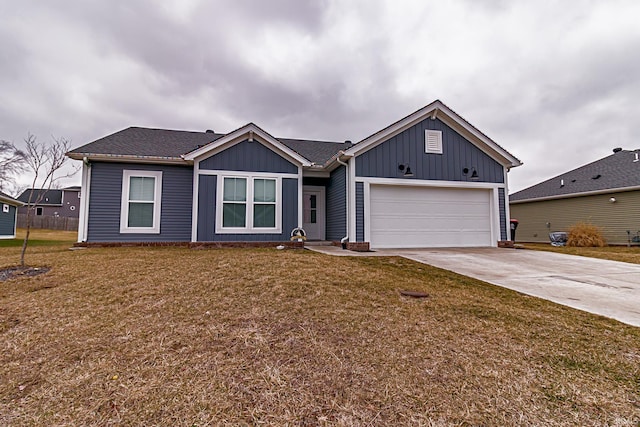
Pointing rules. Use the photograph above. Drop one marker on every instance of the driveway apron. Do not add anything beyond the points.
(608, 288)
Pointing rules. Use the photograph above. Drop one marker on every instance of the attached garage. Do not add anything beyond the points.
(419, 217)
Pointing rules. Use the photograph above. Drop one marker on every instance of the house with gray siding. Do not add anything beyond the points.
(605, 193)
(64, 202)
(8, 216)
(429, 180)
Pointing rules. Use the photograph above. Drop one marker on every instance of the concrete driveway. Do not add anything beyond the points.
(608, 288)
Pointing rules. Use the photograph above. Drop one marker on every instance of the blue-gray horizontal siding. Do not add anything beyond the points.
(408, 148)
(105, 198)
(503, 214)
(336, 219)
(360, 212)
(7, 221)
(207, 214)
(249, 157)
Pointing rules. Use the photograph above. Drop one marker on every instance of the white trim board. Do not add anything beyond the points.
(429, 183)
(124, 204)
(245, 173)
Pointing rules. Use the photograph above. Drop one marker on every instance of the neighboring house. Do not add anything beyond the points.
(63, 202)
(8, 216)
(428, 180)
(605, 193)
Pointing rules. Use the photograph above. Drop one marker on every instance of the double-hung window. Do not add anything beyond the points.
(140, 208)
(249, 205)
(234, 207)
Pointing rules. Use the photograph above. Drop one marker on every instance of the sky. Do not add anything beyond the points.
(556, 83)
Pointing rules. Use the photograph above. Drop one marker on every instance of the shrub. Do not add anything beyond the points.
(583, 234)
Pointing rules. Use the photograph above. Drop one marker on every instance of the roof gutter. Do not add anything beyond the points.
(572, 195)
(343, 241)
(11, 201)
(127, 158)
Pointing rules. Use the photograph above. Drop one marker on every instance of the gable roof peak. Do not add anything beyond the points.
(439, 110)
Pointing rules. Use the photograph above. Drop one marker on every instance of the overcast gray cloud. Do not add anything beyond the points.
(556, 83)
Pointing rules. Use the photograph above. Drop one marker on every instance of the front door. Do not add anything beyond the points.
(313, 212)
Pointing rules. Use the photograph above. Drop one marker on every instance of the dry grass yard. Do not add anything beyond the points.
(613, 253)
(173, 336)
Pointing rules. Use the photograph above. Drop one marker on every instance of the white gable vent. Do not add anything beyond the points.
(433, 141)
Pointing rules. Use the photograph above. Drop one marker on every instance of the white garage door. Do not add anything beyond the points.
(422, 217)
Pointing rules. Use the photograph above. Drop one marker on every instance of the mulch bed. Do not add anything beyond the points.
(12, 272)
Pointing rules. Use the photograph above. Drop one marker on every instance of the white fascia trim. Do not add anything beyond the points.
(249, 229)
(238, 136)
(83, 215)
(310, 173)
(451, 117)
(12, 202)
(245, 173)
(124, 205)
(479, 139)
(15, 222)
(398, 127)
(194, 202)
(572, 195)
(351, 200)
(156, 160)
(429, 183)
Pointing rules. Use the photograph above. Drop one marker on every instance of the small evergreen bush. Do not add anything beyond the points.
(585, 235)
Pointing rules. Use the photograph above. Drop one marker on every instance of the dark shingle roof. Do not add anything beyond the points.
(50, 197)
(318, 152)
(136, 141)
(618, 170)
(4, 197)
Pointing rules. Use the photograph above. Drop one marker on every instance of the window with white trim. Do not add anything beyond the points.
(249, 204)
(140, 208)
(433, 141)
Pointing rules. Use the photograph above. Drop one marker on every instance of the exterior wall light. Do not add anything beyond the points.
(404, 167)
(474, 173)
(612, 200)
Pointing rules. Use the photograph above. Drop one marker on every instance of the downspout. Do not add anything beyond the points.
(343, 241)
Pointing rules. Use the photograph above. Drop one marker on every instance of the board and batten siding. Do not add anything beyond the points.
(8, 221)
(407, 147)
(105, 198)
(614, 218)
(336, 218)
(207, 188)
(248, 157)
(504, 221)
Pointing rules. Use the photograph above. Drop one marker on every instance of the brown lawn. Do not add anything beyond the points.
(173, 336)
(613, 253)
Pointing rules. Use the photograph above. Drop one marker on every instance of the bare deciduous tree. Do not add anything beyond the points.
(12, 162)
(44, 162)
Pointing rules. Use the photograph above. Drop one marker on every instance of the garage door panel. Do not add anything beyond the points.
(429, 217)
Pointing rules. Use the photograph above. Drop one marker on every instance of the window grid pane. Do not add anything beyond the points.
(141, 188)
(264, 216)
(234, 215)
(140, 214)
(235, 190)
(264, 190)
